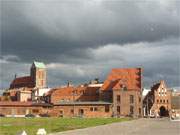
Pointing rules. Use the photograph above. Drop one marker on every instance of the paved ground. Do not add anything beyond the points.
(161, 126)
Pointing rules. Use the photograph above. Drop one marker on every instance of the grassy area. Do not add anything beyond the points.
(10, 126)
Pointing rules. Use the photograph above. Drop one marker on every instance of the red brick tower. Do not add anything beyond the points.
(38, 74)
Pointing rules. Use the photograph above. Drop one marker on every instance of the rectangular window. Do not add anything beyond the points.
(106, 108)
(131, 110)
(131, 99)
(35, 111)
(72, 111)
(139, 99)
(157, 101)
(95, 109)
(61, 113)
(139, 111)
(42, 82)
(167, 101)
(91, 109)
(118, 98)
(118, 109)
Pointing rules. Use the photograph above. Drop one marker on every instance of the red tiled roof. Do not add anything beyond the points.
(15, 103)
(129, 77)
(155, 86)
(24, 81)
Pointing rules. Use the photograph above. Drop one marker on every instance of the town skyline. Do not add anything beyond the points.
(80, 41)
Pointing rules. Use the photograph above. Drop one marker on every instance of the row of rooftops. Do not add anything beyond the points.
(117, 79)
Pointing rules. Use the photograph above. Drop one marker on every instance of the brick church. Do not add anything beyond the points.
(21, 88)
(37, 77)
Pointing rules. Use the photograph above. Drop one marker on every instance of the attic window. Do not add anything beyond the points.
(123, 87)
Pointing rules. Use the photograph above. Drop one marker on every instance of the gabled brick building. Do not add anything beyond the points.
(123, 88)
(158, 101)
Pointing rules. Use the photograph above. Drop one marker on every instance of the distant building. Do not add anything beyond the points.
(175, 105)
(22, 88)
(120, 95)
(158, 101)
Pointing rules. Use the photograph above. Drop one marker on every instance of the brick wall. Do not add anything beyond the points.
(22, 110)
(127, 103)
(81, 111)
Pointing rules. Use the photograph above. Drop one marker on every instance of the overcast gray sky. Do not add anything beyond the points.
(85, 39)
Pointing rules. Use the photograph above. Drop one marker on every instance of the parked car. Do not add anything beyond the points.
(2, 115)
(29, 115)
(152, 116)
(44, 115)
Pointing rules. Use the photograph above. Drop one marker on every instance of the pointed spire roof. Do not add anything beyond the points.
(39, 64)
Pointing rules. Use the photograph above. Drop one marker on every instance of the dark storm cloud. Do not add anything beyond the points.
(83, 40)
(59, 28)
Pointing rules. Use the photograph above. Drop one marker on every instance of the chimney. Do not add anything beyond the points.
(68, 84)
(15, 76)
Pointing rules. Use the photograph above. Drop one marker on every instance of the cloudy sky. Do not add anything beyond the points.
(80, 40)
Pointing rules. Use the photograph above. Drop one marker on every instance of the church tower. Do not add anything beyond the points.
(38, 74)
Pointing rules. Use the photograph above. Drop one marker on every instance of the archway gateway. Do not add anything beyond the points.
(163, 112)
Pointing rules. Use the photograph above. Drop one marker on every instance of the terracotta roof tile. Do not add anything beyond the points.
(129, 77)
(17, 103)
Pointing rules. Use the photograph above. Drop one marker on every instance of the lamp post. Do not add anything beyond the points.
(74, 102)
(147, 106)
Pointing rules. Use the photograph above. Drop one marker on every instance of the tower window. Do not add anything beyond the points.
(118, 109)
(118, 98)
(42, 75)
(39, 74)
(131, 99)
(131, 109)
(42, 83)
